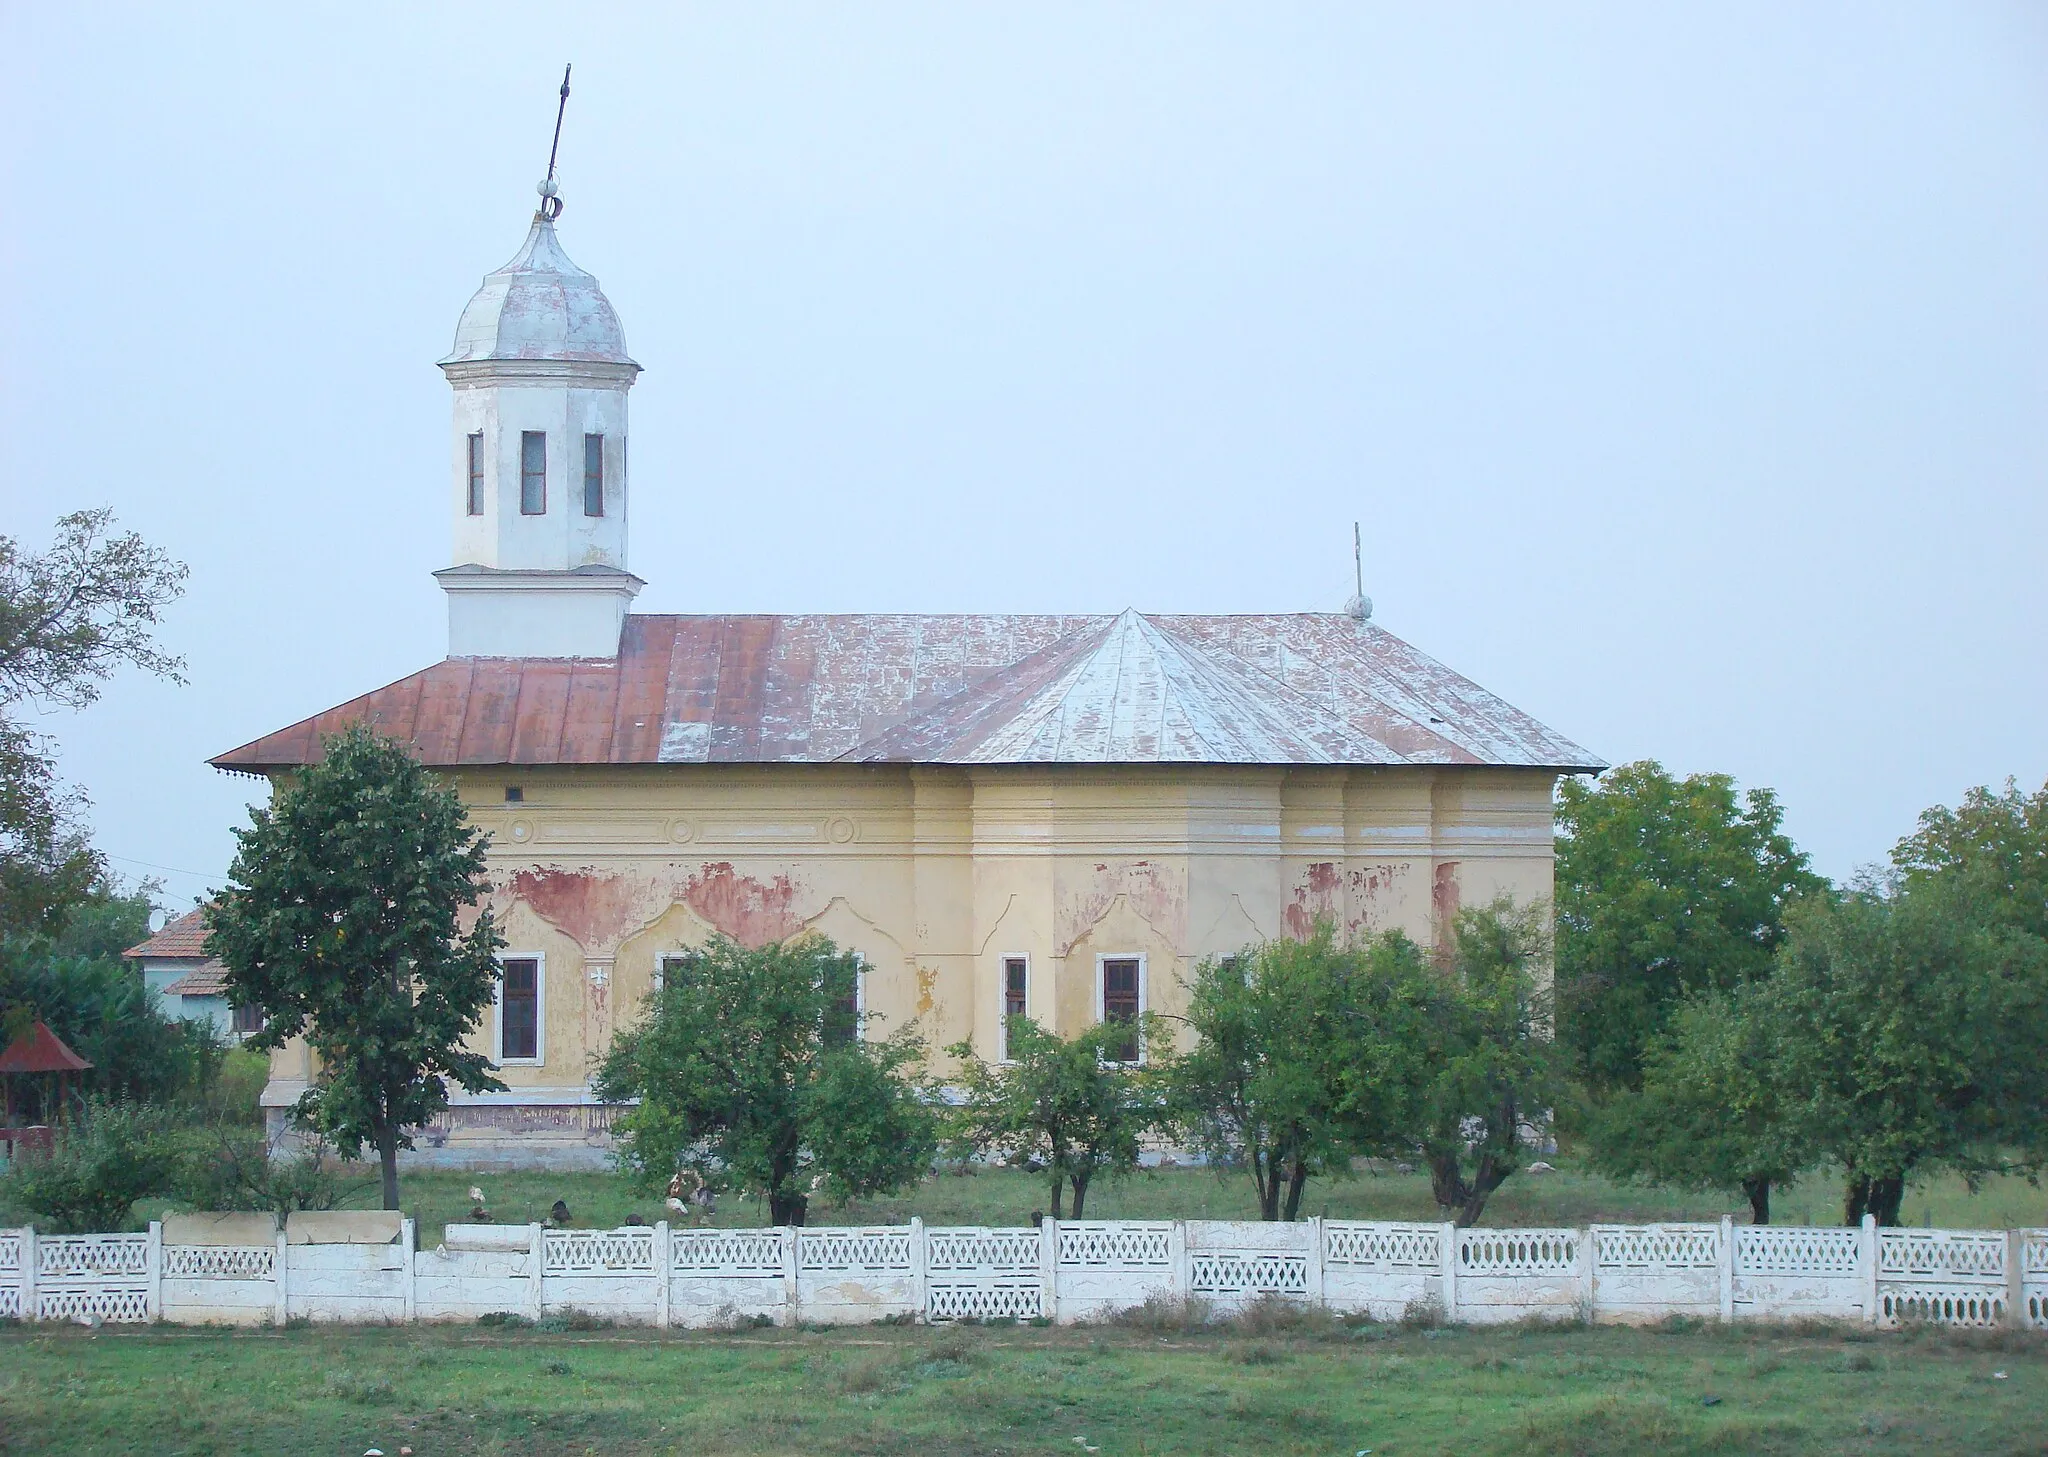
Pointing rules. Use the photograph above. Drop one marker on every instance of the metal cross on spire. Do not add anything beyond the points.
(550, 194)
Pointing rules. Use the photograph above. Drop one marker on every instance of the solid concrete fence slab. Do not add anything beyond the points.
(361, 1266)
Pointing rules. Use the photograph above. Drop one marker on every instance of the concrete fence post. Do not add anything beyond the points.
(1727, 1263)
(1589, 1273)
(1868, 1259)
(536, 1246)
(153, 1266)
(284, 1304)
(2016, 1279)
(1179, 1262)
(1315, 1260)
(1049, 1268)
(408, 1244)
(791, 1292)
(919, 1269)
(1450, 1272)
(664, 1282)
(28, 1273)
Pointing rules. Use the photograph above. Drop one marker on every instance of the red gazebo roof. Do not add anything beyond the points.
(39, 1050)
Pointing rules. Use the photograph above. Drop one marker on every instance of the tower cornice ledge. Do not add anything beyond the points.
(472, 373)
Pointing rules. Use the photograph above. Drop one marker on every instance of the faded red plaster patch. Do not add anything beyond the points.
(1311, 900)
(751, 911)
(591, 908)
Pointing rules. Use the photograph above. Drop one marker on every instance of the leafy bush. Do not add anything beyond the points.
(238, 1169)
(118, 1153)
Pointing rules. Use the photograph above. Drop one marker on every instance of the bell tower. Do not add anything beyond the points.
(539, 469)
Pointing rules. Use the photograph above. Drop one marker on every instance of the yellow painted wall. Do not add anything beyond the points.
(935, 874)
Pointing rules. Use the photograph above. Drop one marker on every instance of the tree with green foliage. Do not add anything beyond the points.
(1304, 1055)
(1665, 888)
(69, 617)
(749, 1068)
(1061, 1102)
(118, 1152)
(1910, 1033)
(343, 923)
(73, 978)
(1711, 1112)
(1990, 854)
(1492, 1073)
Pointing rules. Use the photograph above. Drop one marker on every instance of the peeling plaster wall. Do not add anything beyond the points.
(934, 874)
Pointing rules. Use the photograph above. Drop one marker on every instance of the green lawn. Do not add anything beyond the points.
(1568, 1196)
(1321, 1388)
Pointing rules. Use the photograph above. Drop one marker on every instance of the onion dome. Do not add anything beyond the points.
(540, 306)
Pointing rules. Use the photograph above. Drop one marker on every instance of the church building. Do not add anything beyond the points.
(1055, 814)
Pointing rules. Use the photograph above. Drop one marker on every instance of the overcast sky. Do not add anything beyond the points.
(1687, 371)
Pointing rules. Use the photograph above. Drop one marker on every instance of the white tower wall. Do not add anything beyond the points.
(538, 349)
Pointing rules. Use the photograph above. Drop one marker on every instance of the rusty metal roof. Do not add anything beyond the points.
(1310, 688)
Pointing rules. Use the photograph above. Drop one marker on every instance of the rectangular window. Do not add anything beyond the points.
(248, 1021)
(842, 1017)
(533, 473)
(1016, 996)
(476, 474)
(519, 1010)
(593, 475)
(1123, 995)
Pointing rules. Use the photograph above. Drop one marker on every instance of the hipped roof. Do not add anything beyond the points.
(1134, 688)
(39, 1050)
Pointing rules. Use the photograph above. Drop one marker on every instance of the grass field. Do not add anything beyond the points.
(1568, 1196)
(1313, 1388)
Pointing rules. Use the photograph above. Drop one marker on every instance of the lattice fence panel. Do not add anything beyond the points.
(836, 1250)
(993, 1251)
(1941, 1254)
(1384, 1246)
(1117, 1246)
(572, 1252)
(220, 1262)
(1518, 1251)
(726, 1251)
(1657, 1247)
(1247, 1272)
(1935, 1305)
(112, 1303)
(91, 1256)
(10, 1274)
(1783, 1250)
(1014, 1299)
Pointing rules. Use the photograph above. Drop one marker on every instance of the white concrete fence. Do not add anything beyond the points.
(363, 1267)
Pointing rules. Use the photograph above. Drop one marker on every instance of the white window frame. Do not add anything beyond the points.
(1003, 996)
(1144, 998)
(540, 1010)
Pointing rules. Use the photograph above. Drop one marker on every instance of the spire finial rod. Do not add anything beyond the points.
(1359, 608)
(550, 195)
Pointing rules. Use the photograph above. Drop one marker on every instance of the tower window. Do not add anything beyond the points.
(476, 474)
(593, 475)
(533, 473)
